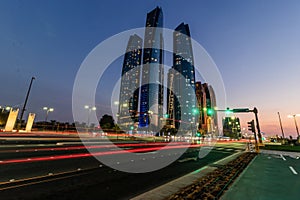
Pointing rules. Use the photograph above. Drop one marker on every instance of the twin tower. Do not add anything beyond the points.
(141, 100)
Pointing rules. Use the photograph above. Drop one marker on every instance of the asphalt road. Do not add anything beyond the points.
(85, 177)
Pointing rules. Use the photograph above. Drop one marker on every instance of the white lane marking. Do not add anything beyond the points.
(293, 170)
(283, 158)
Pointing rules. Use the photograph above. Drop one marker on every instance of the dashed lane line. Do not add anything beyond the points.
(283, 158)
(293, 170)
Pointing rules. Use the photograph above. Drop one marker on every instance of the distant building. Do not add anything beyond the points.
(206, 100)
(130, 82)
(151, 101)
(231, 127)
(201, 104)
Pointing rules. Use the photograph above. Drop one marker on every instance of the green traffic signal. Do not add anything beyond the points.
(166, 115)
(210, 112)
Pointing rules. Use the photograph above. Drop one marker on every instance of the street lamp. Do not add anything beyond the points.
(24, 106)
(8, 108)
(294, 116)
(47, 112)
(89, 108)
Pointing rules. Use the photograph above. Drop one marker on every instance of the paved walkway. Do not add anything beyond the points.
(272, 175)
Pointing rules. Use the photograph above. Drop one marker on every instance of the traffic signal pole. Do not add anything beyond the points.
(257, 125)
(251, 127)
(246, 110)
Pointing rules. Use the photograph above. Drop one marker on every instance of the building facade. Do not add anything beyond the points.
(130, 82)
(232, 127)
(181, 79)
(151, 101)
(206, 104)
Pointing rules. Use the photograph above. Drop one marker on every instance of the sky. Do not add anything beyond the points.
(255, 45)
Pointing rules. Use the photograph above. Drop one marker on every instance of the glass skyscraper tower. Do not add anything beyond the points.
(182, 80)
(129, 89)
(151, 102)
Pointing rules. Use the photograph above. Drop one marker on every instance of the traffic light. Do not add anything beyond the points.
(166, 115)
(210, 112)
(198, 134)
(251, 126)
(131, 127)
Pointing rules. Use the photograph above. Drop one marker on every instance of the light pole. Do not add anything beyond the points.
(47, 112)
(89, 108)
(149, 120)
(26, 99)
(195, 112)
(280, 125)
(294, 116)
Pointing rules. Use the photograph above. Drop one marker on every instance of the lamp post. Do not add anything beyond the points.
(89, 108)
(26, 99)
(150, 113)
(294, 116)
(47, 112)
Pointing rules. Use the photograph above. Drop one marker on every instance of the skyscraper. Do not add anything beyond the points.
(183, 79)
(129, 89)
(151, 104)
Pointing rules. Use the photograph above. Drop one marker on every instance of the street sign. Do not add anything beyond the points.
(237, 110)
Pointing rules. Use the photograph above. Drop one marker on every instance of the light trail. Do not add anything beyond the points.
(83, 155)
(89, 147)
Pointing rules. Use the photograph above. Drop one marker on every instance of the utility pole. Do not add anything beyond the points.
(280, 125)
(24, 106)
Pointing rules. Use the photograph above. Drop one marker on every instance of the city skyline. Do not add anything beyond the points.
(254, 47)
(182, 107)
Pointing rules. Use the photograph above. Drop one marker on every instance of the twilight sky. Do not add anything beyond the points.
(255, 44)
